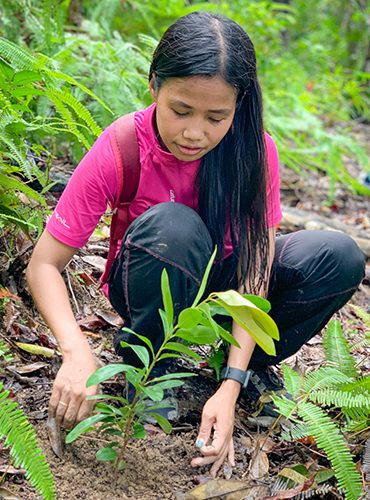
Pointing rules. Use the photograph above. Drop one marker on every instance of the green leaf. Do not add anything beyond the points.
(166, 384)
(154, 393)
(216, 360)
(204, 280)
(216, 309)
(24, 77)
(162, 422)
(83, 426)
(166, 326)
(189, 318)
(107, 454)
(177, 347)
(144, 339)
(139, 431)
(140, 351)
(258, 301)
(228, 336)
(166, 297)
(243, 317)
(171, 376)
(106, 372)
(197, 335)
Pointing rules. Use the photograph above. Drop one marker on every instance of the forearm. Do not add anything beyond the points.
(51, 297)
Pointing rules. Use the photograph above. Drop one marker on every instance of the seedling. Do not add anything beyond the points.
(124, 417)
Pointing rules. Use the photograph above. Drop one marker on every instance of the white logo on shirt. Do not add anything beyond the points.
(172, 195)
(61, 220)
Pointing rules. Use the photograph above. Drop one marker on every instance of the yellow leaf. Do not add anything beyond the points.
(39, 350)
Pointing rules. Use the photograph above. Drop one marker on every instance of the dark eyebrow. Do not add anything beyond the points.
(217, 111)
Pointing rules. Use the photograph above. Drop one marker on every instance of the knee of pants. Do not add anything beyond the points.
(325, 257)
(168, 229)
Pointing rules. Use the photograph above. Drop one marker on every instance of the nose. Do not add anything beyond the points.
(194, 132)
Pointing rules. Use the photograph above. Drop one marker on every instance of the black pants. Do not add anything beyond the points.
(314, 274)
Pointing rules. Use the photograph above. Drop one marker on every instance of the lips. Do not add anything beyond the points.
(189, 151)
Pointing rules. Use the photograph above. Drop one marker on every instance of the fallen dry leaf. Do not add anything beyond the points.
(259, 464)
(6, 494)
(6, 294)
(33, 367)
(55, 436)
(95, 261)
(38, 350)
(111, 318)
(91, 322)
(227, 489)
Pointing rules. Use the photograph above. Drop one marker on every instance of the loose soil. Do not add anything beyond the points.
(159, 466)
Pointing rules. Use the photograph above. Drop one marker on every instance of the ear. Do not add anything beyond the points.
(153, 92)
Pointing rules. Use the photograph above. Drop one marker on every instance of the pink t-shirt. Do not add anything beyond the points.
(163, 178)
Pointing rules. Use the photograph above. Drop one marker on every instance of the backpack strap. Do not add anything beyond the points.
(126, 153)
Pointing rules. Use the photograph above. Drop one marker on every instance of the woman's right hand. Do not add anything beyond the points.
(68, 403)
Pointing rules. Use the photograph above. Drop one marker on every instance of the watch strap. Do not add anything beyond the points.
(241, 376)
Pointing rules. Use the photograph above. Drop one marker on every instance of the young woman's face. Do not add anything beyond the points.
(193, 114)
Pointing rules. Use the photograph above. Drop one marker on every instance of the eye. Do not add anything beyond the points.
(213, 120)
(177, 113)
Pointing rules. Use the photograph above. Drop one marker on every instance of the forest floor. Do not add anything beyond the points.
(159, 466)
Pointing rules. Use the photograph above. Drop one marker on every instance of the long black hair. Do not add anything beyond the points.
(232, 177)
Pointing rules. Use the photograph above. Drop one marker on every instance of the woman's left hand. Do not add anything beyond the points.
(217, 416)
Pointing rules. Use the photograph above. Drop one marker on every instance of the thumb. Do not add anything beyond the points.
(204, 431)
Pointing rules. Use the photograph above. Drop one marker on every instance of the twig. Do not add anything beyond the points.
(72, 292)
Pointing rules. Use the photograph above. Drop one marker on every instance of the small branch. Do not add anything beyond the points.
(72, 292)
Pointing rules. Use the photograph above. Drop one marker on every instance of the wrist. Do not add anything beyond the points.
(73, 344)
(230, 389)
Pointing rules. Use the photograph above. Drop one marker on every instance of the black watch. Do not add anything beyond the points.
(240, 376)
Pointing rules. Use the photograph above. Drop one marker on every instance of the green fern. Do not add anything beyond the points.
(337, 350)
(21, 440)
(339, 398)
(323, 378)
(328, 437)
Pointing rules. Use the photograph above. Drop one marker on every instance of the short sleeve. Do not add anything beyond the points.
(92, 187)
(274, 213)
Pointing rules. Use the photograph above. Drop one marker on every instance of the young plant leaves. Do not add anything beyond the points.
(140, 351)
(84, 426)
(104, 373)
(144, 339)
(177, 347)
(106, 454)
(162, 422)
(197, 335)
(205, 279)
(166, 297)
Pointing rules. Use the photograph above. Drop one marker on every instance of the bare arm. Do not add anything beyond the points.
(218, 412)
(48, 289)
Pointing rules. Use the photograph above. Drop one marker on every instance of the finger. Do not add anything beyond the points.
(70, 416)
(216, 466)
(218, 446)
(204, 431)
(231, 454)
(53, 402)
(200, 461)
(85, 410)
(61, 409)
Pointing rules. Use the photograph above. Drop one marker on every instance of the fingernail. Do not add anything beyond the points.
(199, 443)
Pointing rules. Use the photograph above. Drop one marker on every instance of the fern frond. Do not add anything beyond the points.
(69, 79)
(292, 380)
(362, 314)
(21, 439)
(333, 397)
(358, 386)
(286, 406)
(17, 153)
(20, 58)
(322, 378)
(328, 437)
(70, 123)
(357, 414)
(337, 350)
(8, 182)
(297, 432)
(80, 110)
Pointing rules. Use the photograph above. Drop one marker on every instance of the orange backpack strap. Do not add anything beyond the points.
(126, 154)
